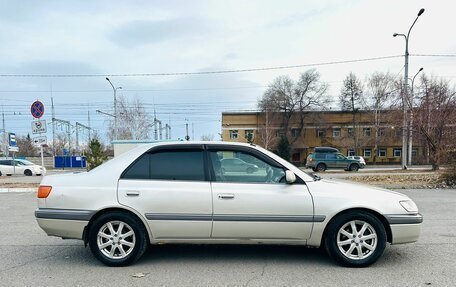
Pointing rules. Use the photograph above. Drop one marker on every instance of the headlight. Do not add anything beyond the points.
(409, 205)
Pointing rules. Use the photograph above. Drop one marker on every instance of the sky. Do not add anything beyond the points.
(134, 37)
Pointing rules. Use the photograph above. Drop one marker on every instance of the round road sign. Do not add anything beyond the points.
(37, 109)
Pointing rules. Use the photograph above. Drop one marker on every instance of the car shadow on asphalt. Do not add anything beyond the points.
(234, 253)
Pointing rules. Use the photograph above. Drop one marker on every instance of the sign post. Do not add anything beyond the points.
(12, 147)
(39, 126)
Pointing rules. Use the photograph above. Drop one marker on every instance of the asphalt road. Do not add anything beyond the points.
(28, 257)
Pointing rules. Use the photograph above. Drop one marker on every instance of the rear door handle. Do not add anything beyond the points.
(132, 193)
(226, 196)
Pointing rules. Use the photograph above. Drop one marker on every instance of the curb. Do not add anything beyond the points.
(25, 189)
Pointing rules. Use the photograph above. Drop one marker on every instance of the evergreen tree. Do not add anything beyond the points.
(96, 155)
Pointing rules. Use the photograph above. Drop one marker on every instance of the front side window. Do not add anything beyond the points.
(243, 167)
(168, 165)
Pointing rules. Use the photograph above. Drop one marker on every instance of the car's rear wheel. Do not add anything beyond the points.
(118, 239)
(321, 167)
(28, 172)
(354, 167)
(355, 239)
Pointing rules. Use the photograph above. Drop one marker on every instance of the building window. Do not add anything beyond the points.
(381, 132)
(350, 132)
(367, 132)
(397, 152)
(321, 133)
(398, 132)
(296, 157)
(367, 152)
(234, 134)
(336, 132)
(249, 135)
(280, 133)
(295, 132)
(382, 152)
(351, 152)
(414, 152)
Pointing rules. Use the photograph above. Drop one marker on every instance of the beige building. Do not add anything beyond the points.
(375, 136)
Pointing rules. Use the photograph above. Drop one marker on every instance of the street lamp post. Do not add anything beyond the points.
(115, 107)
(410, 140)
(405, 92)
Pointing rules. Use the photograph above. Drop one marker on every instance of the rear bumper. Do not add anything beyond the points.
(405, 228)
(65, 223)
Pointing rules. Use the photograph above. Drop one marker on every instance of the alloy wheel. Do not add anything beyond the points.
(357, 240)
(116, 239)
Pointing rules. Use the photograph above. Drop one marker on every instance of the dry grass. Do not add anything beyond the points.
(419, 180)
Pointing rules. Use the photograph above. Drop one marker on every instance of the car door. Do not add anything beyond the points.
(170, 188)
(341, 161)
(6, 167)
(330, 160)
(258, 205)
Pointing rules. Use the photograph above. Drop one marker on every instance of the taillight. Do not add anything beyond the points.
(44, 191)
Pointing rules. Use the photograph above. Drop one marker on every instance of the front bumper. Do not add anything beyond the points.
(405, 228)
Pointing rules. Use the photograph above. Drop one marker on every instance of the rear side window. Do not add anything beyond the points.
(168, 165)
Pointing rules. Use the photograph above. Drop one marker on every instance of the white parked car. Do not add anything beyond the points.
(358, 158)
(177, 193)
(20, 166)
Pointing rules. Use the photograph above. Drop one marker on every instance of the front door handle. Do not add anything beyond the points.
(226, 196)
(132, 193)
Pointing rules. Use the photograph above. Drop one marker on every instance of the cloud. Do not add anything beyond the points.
(143, 32)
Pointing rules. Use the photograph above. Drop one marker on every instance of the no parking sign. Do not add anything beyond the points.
(37, 109)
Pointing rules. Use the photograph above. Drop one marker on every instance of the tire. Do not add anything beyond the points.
(28, 172)
(354, 252)
(138, 239)
(353, 167)
(314, 169)
(1, 173)
(321, 167)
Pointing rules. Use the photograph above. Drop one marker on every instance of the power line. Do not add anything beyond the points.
(198, 73)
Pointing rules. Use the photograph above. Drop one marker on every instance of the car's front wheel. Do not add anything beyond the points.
(117, 239)
(354, 167)
(28, 172)
(355, 239)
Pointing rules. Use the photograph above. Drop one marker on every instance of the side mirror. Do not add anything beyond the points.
(290, 177)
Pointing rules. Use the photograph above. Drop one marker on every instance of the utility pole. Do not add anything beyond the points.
(4, 144)
(88, 121)
(410, 139)
(67, 125)
(115, 106)
(160, 129)
(80, 126)
(53, 124)
(405, 92)
(186, 131)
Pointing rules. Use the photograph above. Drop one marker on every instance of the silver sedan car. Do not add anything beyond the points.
(177, 193)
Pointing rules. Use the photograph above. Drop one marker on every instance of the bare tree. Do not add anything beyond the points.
(207, 137)
(266, 131)
(436, 117)
(381, 92)
(351, 98)
(287, 98)
(134, 123)
(26, 146)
